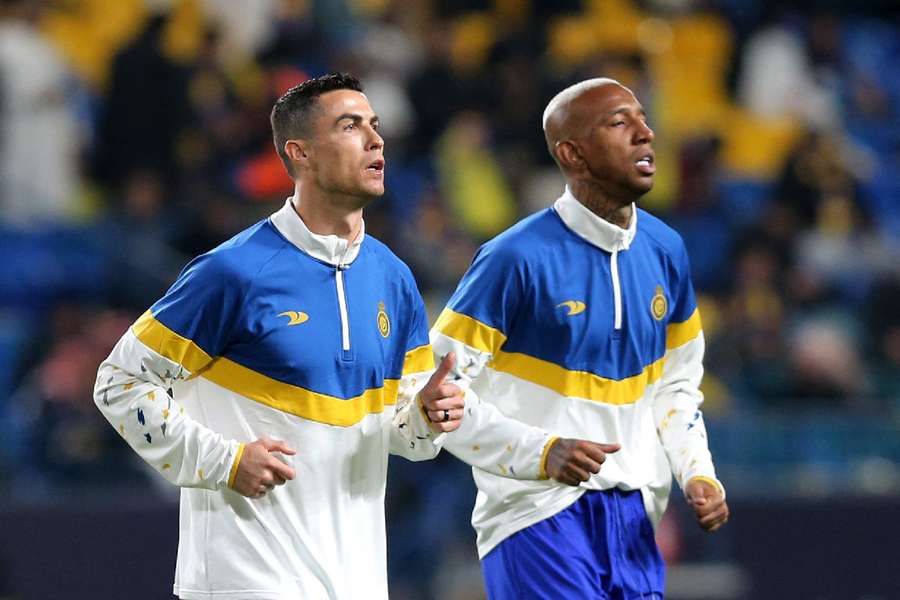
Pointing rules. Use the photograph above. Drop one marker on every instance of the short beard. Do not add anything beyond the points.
(351, 199)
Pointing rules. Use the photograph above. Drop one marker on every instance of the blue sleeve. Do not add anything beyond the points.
(418, 331)
(203, 303)
(417, 355)
(684, 302)
(491, 290)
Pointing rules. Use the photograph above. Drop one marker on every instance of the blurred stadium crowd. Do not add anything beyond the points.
(134, 135)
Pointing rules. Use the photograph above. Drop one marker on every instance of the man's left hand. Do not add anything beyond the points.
(708, 504)
(443, 403)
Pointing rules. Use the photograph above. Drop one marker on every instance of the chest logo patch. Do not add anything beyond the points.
(295, 317)
(575, 307)
(384, 323)
(659, 306)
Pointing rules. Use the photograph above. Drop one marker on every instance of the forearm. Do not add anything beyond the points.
(487, 438)
(491, 441)
(133, 391)
(678, 417)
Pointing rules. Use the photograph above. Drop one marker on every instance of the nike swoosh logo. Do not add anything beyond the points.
(296, 317)
(576, 307)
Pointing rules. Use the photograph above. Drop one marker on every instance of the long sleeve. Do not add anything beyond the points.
(410, 435)
(677, 414)
(176, 339)
(488, 439)
(133, 391)
(676, 406)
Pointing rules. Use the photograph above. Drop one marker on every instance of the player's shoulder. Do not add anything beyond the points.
(659, 234)
(526, 241)
(240, 258)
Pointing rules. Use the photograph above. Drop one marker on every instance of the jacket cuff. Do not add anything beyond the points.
(232, 473)
(542, 473)
(710, 480)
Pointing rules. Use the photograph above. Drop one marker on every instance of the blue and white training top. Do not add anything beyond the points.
(570, 324)
(298, 337)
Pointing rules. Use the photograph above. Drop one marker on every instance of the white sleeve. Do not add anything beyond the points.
(676, 412)
(133, 393)
(411, 437)
(488, 439)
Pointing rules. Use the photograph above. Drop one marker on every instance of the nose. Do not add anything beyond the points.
(643, 134)
(375, 142)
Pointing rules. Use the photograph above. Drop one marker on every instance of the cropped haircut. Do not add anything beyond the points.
(291, 116)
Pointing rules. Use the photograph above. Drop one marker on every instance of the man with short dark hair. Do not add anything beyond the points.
(281, 368)
(582, 319)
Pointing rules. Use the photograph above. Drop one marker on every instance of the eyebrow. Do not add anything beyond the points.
(356, 118)
(624, 109)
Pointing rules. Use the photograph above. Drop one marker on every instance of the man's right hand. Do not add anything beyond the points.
(573, 461)
(259, 470)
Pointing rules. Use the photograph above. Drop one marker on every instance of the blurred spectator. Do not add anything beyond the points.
(825, 365)
(438, 91)
(141, 124)
(66, 446)
(816, 170)
(139, 237)
(752, 337)
(517, 103)
(698, 214)
(295, 40)
(434, 249)
(471, 179)
(778, 79)
(39, 133)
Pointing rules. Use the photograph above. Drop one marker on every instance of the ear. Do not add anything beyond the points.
(569, 155)
(297, 150)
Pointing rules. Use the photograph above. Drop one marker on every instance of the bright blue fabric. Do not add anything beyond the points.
(518, 280)
(229, 302)
(602, 547)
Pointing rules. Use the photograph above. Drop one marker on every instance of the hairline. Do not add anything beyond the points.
(306, 128)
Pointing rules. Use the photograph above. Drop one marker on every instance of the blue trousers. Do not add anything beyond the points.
(601, 547)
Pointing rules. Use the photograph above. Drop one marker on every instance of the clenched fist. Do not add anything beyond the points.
(573, 461)
(259, 470)
(708, 503)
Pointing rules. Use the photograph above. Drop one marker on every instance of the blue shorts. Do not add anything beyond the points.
(601, 547)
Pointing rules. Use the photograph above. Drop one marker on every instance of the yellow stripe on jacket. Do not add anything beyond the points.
(285, 397)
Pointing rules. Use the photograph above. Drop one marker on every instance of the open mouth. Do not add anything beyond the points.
(376, 166)
(646, 164)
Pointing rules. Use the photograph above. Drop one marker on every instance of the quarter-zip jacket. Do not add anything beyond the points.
(281, 333)
(572, 325)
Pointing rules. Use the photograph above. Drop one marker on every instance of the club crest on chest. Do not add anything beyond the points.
(659, 306)
(384, 323)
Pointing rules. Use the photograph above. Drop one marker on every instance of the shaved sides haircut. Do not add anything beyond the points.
(291, 116)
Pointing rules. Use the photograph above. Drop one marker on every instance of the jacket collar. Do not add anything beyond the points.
(330, 249)
(597, 231)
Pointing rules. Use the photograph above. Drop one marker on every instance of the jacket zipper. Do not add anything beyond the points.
(342, 306)
(617, 289)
